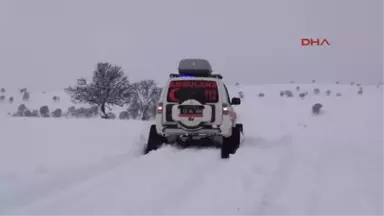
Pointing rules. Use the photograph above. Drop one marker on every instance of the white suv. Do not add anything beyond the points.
(195, 105)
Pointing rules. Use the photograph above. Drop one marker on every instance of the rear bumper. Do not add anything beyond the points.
(203, 131)
(169, 129)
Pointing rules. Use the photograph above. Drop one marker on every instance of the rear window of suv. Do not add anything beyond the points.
(203, 91)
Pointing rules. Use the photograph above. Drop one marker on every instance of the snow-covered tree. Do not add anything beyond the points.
(109, 87)
(143, 99)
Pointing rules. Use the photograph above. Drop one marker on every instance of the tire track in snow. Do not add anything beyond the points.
(211, 166)
(234, 186)
(140, 184)
(203, 169)
(66, 181)
(278, 179)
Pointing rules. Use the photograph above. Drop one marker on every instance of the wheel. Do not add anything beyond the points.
(240, 127)
(154, 140)
(231, 144)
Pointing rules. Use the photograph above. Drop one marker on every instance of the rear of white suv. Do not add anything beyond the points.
(196, 107)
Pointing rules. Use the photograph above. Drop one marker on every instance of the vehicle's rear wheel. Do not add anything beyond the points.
(231, 144)
(240, 126)
(154, 140)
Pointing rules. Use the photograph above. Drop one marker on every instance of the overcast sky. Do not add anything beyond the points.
(49, 43)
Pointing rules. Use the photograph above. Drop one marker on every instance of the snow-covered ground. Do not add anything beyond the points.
(289, 163)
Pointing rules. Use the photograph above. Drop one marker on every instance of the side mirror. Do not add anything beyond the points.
(235, 101)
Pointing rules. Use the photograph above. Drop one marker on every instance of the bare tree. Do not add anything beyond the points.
(143, 99)
(109, 87)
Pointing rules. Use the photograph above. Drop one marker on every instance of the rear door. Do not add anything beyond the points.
(202, 90)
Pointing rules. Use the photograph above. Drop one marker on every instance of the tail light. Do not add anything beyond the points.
(160, 108)
(225, 109)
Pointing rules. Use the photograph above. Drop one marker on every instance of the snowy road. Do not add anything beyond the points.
(290, 163)
(170, 181)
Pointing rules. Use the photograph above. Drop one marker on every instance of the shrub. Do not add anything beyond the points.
(26, 96)
(71, 110)
(21, 109)
(44, 111)
(302, 95)
(338, 94)
(111, 115)
(82, 112)
(360, 92)
(316, 91)
(281, 93)
(288, 93)
(261, 94)
(316, 108)
(328, 92)
(297, 88)
(57, 113)
(27, 113)
(35, 113)
(11, 99)
(2, 98)
(2, 90)
(123, 115)
(56, 98)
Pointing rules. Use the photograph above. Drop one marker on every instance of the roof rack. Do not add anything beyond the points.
(195, 67)
(217, 76)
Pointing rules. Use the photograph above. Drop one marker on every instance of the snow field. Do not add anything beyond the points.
(290, 162)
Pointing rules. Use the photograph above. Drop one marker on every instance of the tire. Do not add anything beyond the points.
(240, 126)
(231, 144)
(154, 140)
